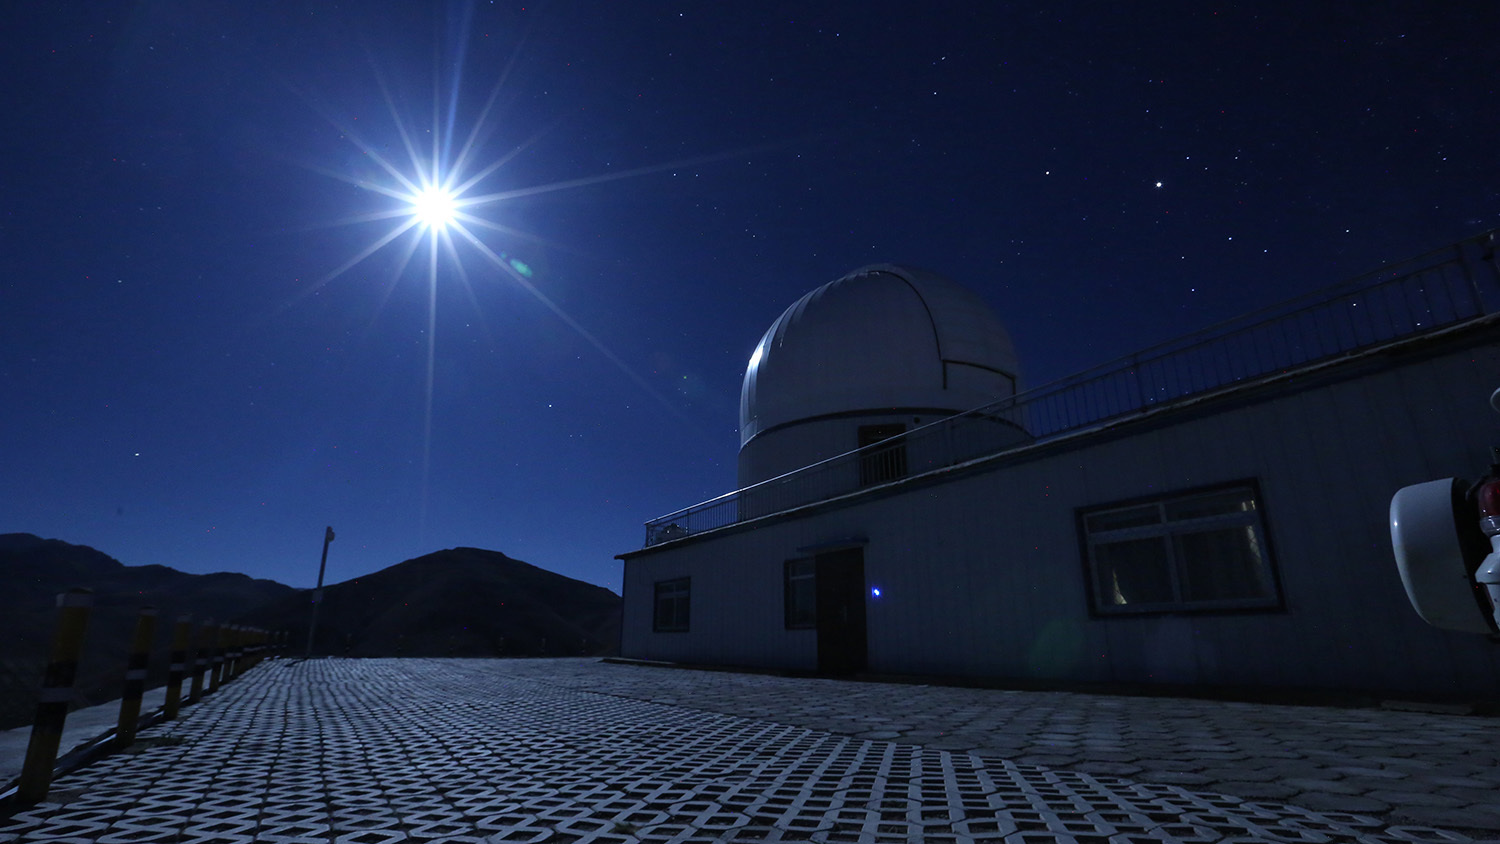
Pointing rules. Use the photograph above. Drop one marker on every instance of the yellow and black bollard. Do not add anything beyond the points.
(241, 650)
(202, 659)
(216, 672)
(177, 665)
(135, 677)
(231, 652)
(57, 692)
(247, 649)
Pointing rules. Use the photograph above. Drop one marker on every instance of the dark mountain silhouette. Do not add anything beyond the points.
(458, 602)
(34, 570)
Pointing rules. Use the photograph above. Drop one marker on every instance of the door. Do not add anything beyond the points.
(841, 611)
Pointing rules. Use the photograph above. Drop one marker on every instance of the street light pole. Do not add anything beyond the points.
(312, 628)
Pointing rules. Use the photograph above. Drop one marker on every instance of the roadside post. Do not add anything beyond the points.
(201, 659)
(312, 628)
(57, 692)
(135, 677)
(177, 665)
(216, 671)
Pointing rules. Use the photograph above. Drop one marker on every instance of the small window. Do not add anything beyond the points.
(881, 461)
(1188, 552)
(801, 594)
(672, 605)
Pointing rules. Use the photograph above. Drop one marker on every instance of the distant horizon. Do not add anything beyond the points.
(288, 585)
(616, 587)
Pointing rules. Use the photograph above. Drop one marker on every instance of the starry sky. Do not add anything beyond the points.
(196, 371)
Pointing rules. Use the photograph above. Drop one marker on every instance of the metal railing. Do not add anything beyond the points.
(224, 652)
(1422, 295)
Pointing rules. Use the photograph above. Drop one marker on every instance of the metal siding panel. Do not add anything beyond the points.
(1054, 641)
(980, 516)
(912, 543)
(1366, 569)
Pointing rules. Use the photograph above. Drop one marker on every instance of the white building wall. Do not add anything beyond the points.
(783, 450)
(736, 616)
(982, 575)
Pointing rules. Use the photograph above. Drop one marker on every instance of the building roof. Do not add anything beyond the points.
(883, 337)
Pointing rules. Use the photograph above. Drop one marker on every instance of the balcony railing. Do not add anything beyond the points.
(1423, 295)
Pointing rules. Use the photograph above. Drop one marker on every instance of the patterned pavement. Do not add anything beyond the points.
(375, 751)
(1412, 767)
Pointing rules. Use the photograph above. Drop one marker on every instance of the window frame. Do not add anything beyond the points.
(797, 622)
(679, 591)
(1169, 531)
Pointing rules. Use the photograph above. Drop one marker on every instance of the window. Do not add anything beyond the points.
(1203, 550)
(801, 594)
(880, 464)
(671, 606)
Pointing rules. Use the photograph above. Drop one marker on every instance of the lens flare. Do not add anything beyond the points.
(452, 195)
(435, 208)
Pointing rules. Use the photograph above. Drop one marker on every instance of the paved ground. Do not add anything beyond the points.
(1406, 765)
(373, 751)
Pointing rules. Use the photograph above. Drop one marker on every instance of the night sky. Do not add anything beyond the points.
(187, 379)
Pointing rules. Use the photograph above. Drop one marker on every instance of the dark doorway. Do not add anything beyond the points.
(882, 454)
(841, 611)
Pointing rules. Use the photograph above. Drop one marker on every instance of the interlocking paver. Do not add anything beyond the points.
(375, 751)
(1166, 737)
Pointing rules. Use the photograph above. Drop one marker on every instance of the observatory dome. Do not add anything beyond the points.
(885, 340)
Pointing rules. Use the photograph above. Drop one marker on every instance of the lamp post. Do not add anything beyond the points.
(312, 628)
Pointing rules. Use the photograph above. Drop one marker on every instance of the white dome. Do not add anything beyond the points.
(881, 339)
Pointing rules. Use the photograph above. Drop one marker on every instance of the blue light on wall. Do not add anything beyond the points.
(874, 591)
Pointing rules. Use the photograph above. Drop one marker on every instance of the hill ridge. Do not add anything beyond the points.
(461, 601)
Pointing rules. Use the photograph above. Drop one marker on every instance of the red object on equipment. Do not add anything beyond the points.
(1489, 507)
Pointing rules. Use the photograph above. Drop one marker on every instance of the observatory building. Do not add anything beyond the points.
(864, 358)
(1210, 511)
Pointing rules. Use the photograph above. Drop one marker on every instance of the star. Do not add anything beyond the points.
(434, 207)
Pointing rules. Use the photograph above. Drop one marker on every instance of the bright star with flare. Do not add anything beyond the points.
(434, 207)
(441, 199)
